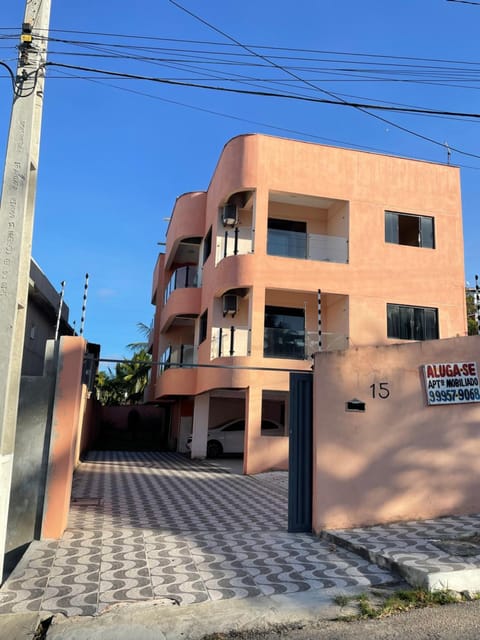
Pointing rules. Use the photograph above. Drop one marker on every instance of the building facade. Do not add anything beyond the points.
(296, 248)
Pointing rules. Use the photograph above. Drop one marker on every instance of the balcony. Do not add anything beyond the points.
(234, 242)
(182, 278)
(307, 246)
(307, 227)
(177, 356)
(300, 345)
(229, 342)
(330, 342)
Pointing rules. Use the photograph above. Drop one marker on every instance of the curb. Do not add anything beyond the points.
(429, 578)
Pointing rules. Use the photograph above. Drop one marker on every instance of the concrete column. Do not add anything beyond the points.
(185, 429)
(16, 227)
(256, 321)
(260, 220)
(201, 410)
(66, 421)
(253, 428)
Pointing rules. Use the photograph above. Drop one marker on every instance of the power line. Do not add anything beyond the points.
(402, 68)
(465, 2)
(263, 47)
(270, 94)
(10, 73)
(339, 100)
(344, 103)
(233, 117)
(359, 107)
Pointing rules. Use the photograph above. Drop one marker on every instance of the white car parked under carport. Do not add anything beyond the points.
(229, 437)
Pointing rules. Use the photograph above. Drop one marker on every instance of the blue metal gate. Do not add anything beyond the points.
(300, 462)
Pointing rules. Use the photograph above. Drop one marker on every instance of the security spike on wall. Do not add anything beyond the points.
(84, 305)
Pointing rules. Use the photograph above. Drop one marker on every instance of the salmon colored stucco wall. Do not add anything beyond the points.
(362, 187)
(188, 219)
(90, 422)
(401, 459)
(377, 272)
(180, 302)
(65, 436)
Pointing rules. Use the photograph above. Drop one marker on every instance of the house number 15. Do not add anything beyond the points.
(380, 389)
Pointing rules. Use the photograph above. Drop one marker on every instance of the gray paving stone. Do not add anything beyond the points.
(154, 525)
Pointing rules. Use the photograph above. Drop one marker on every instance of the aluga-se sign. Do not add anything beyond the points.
(451, 383)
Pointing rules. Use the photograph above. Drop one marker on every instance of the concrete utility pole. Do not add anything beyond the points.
(16, 227)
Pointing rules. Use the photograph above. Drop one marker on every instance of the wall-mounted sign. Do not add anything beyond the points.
(451, 383)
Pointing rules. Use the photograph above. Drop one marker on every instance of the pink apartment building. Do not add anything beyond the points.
(296, 248)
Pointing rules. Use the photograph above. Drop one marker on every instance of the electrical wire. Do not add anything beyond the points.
(195, 56)
(449, 73)
(269, 94)
(233, 117)
(422, 71)
(261, 47)
(10, 73)
(230, 116)
(361, 108)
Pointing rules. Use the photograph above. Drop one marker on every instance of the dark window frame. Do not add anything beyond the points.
(207, 245)
(409, 322)
(400, 228)
(202, 329)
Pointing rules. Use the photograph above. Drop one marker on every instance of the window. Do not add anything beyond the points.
(410, 230)
(202, 332)
(287, 238)
(236, 426)
(164, 363)
(284, 335)
(207, 245)
(412, 323)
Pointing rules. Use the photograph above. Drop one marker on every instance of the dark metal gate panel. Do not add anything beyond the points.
(300, 453)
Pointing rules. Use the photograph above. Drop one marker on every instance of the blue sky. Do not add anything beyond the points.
(113, 159)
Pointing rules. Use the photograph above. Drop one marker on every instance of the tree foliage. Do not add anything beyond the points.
(126, 384)
(471, 314)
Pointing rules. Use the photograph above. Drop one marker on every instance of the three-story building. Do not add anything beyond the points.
(296, 248)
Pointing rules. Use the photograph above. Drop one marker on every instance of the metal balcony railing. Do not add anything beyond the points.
(234, 242)
(229, 341)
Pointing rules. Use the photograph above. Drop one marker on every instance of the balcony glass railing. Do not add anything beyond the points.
(180, 279)
(229, 341)
(327, 248)
(283, 343)
(300, 345)
(331, 341)
(289, 244)
(177, 355)
(307, 246)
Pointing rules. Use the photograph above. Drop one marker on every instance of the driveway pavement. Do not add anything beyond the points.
(149, 526)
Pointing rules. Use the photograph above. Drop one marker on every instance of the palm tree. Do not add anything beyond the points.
(135, 374)
(145, 331)
(127, 384)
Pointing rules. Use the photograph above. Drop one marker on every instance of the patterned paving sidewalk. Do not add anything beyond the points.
(153, 525)
(427, 552)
